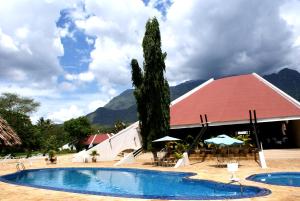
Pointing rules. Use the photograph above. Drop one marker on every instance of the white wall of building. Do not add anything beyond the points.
(128, 138)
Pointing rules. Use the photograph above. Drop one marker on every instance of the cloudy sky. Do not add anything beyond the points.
(74, 56)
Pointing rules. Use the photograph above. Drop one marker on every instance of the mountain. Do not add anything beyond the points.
(123, 107)
(123, 101)
(287, 80)
(126, 99)
(107, 116)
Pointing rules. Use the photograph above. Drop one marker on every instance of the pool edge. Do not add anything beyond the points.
(262, 192)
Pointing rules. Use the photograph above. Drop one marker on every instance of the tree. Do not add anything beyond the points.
(151, 88)
(78, 130)
(119, 125)
(50, 135)
(15, 109)
(15, 103)
(96, 128)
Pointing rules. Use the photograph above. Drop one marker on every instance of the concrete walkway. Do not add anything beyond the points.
(282, 154)
(204, 170)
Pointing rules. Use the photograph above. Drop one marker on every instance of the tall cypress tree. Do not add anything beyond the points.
(151, 88)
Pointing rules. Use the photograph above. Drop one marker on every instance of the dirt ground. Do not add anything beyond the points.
(277, 161)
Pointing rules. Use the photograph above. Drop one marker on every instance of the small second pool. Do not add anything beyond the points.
(278, 178)
(133, 183)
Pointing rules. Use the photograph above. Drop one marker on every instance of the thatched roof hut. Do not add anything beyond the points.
(7, 136)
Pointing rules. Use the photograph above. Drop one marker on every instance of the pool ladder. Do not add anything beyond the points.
(241, 186)
(20, 166)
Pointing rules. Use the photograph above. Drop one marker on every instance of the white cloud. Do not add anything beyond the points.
(70, 105)
(90, 41)
(96, 24)
(71, 77)
(215, 38)
(202, 38)
(84, 77)
(29, 39)
(29, 91)
(290, 13)
(58, 45)
(22, 32)
(7, 43)
(65, 31)
(118, 27)
(67, 86)
(96, 104)
(65, 114)
(29, 65)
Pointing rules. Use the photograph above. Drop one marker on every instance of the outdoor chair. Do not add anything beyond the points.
(164, 162)
(5, 158)
(234, 154)
(34, 158)
(169, 162)
(221, 156)
(156, 161)
(233, 168)
(207, 152)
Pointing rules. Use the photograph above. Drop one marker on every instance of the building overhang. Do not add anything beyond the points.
(226, 123)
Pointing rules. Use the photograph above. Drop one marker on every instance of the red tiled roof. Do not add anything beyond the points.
(98, 138)
(230, 99)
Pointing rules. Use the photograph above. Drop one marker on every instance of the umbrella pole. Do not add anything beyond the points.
(228, 152)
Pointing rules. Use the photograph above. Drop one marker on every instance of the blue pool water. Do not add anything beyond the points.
(134, 183)
(278, 178)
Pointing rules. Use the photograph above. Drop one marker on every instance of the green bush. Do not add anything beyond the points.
(178, 155)
(94, 154)
(52, 153)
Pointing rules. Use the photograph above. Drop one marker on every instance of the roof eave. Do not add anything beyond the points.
(237, 122)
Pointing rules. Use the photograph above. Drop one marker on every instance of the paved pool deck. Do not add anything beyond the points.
(277, 161)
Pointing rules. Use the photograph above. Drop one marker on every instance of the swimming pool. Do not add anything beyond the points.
(278, 178)
(134, 183)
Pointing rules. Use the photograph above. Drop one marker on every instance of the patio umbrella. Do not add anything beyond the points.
(166, 139)
(223, 140)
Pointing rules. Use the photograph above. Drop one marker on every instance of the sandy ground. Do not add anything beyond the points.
(282, 160)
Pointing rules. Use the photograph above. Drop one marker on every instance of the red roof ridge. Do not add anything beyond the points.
(191, 92)
(279, 91)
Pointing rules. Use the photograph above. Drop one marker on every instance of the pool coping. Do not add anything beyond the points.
(251, 178)
(187, 175)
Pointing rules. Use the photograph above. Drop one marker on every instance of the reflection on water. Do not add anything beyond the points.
(75, 179)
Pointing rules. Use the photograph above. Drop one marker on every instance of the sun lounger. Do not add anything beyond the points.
(8, 156)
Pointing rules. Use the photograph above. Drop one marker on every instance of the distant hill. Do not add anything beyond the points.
(123, 106)
(287, 80)
(123, 101)
(107, 116)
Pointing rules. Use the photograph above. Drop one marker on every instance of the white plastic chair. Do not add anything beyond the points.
(233, 168)
(5, 158)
